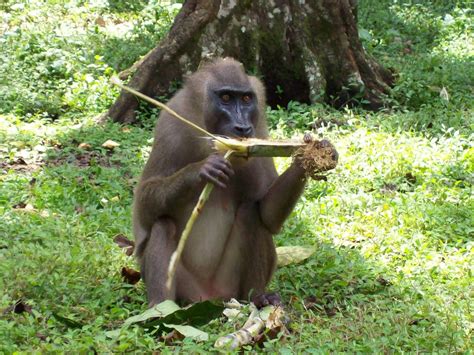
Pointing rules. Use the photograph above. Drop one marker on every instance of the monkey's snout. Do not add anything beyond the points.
(243, 131)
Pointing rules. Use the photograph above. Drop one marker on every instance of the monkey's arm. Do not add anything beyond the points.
(155, 195)
(281, 197)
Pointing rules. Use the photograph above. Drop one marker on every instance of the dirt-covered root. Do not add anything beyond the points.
(317, 157)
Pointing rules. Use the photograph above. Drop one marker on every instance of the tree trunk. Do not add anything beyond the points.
(304, 50)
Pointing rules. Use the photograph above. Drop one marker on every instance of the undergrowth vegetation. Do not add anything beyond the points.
(393, 226)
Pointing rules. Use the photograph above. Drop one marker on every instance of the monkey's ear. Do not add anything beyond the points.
(257, 85)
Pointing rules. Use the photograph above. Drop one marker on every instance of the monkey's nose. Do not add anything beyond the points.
(243, 131)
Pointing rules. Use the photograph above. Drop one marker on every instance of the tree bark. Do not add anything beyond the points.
(304, 50)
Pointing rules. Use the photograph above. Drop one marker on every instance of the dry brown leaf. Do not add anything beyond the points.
(123, 242)
(110, 144)
(85, 146)
(20, 306)
(293, 254)
(99, 21)
(130, 276)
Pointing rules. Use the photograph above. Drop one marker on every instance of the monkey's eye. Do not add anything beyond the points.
(246, 99)
(225, 97)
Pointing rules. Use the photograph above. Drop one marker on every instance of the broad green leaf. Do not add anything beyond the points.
(169, 312)
(195, 314)
(113, 333)
(293, 254)
(160, 310)
(189, 332)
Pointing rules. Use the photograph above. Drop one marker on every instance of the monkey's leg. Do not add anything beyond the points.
(260, 257)
(155, 260)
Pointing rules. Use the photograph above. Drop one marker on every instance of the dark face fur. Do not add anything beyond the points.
(233, 110)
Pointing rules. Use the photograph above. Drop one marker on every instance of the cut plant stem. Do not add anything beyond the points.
(175, 258)
(254, 147)
(253, 327)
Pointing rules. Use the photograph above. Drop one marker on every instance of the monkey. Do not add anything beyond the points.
(230, 252)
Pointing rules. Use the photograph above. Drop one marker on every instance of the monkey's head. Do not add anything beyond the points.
(232, 99)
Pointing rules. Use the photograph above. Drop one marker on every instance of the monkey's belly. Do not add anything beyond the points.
(212, 253)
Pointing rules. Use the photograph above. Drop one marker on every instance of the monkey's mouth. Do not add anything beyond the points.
(239, 137)
(242, 135)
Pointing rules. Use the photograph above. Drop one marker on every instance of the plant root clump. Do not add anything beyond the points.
(316, 157)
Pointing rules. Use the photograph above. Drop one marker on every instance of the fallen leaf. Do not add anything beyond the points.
(85, 146)
(172, 337)
(110, 144)
(99, 21)
(18, 307)
(293, 254)
(131, 276)
(19, 205)
(21, 307)
(29, 207)
(312, 302)
(123, 242)
(159, 310)
(169, 312)
(44, 213)
(189, 332)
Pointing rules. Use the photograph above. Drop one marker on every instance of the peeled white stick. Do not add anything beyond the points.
(187, 229)
(253, 327)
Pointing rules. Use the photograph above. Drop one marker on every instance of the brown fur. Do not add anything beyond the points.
(230, 252)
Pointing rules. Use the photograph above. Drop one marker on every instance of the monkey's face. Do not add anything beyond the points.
(233, 112)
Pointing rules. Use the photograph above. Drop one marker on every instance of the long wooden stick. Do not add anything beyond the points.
(187, 229)
(116, 81)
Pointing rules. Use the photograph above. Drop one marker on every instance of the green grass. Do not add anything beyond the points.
(393, 226)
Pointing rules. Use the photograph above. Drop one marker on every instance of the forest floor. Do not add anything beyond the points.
(393, 226)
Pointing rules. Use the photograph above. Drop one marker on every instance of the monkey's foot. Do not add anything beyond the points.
(265, 299)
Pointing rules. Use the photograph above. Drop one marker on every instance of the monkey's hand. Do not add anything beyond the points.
(216, 170)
